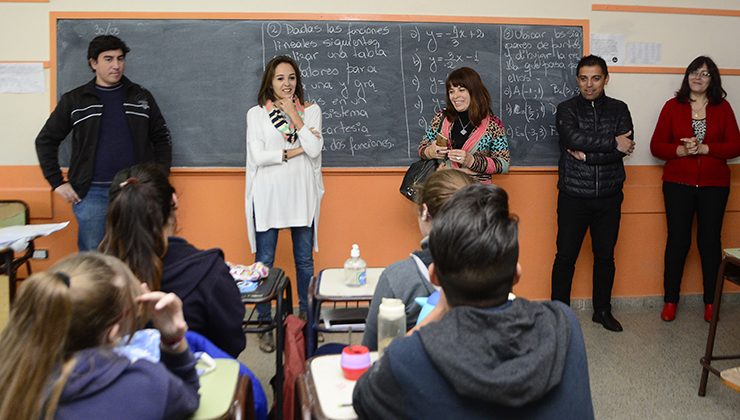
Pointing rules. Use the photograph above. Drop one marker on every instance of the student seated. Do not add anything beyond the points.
(140, 231)
(57, 349)
(480, 355)
(408, 279)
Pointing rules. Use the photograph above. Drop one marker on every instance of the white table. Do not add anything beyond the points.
(329, 394)
(331, 285)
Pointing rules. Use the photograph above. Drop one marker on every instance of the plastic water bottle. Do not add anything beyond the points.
(391, 322)
(355, 268)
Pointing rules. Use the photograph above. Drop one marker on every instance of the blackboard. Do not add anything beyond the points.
(378, 83)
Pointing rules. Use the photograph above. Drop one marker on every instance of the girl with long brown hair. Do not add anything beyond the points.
(283, 178)
(140, 230)
(58, 359)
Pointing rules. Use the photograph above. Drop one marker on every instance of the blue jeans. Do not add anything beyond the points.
(90, 214)
(302, 254)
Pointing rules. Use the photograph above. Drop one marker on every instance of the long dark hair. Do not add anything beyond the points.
(140, 205)
(480, 99)
(69, 308)
(266, 92)
(715, 93)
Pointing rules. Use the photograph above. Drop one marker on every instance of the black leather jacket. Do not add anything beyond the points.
(80, 111)
(592, 127)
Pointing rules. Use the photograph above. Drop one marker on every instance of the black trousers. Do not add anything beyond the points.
(682, 202)
(601, 217)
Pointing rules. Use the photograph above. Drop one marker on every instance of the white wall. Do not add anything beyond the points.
(24, 35)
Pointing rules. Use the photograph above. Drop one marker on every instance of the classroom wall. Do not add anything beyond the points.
(364, 206)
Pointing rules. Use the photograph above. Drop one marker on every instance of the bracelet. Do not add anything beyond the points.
(171, 344)
(285, 155)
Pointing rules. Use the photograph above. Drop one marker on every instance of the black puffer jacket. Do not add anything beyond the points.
(592, 127)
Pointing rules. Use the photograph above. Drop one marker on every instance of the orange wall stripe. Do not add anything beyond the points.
(664, 10)
(664, 70)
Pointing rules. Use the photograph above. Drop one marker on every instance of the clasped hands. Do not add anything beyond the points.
(691, 147)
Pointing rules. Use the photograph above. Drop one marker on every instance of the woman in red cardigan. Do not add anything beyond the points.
(696, 133)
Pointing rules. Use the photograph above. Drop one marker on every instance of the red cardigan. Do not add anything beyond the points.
(722, 137)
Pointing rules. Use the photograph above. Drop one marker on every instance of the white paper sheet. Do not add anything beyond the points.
(22, 78)
(17, 237)
(609, 47)
(643, 52)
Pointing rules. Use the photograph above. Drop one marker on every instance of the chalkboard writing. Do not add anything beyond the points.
(378, 83)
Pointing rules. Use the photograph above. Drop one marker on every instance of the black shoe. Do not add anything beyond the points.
(606, 319)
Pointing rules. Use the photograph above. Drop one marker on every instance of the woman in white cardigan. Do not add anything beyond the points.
(283, 185)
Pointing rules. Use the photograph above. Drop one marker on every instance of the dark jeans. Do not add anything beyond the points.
(90, 214)
(575, 215)
(302, 254)
(681, 203)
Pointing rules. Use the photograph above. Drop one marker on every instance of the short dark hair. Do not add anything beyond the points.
(104, 43)
(592, 60)
(480, 99)
(715, 92)
(266, 92)
(475, 246)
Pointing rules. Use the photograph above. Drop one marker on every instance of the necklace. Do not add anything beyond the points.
(697, 111)
(463, 130)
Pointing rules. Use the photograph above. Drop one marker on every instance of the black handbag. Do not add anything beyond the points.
(415, 177)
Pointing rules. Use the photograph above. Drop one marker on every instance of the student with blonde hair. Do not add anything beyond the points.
(58, 358)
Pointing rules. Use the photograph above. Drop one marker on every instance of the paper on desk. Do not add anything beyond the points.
(17, 237)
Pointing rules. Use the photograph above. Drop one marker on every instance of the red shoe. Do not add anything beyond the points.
(669, 312)
(708, 312)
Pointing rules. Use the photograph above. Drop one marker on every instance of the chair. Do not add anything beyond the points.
(15, 213)
(6, 258)
(276, 287)
(729, 269)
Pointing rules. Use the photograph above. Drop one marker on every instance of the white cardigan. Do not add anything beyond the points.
(285, 194)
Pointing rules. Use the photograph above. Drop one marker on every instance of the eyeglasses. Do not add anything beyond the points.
(700, 74)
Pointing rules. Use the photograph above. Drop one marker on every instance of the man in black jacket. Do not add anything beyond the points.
(114, 123)
(595, 134)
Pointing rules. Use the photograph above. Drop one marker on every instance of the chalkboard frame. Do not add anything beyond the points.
(54, 17)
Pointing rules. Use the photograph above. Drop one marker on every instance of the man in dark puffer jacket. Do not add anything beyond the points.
(595, 134)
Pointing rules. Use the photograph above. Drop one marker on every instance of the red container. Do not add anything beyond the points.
(355, 361)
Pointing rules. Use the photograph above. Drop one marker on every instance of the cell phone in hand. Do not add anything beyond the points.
(442, 141)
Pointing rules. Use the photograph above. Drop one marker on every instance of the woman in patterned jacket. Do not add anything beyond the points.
(467, 135)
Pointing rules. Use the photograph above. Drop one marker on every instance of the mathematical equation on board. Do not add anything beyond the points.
(380, 83)
(433, 53)
(538, 73)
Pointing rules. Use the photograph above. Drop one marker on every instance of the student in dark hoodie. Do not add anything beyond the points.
(480, 355)
(408, 279)
(58, 359)
(140, 231)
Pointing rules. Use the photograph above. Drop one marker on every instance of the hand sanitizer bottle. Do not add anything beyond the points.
(355, 268)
